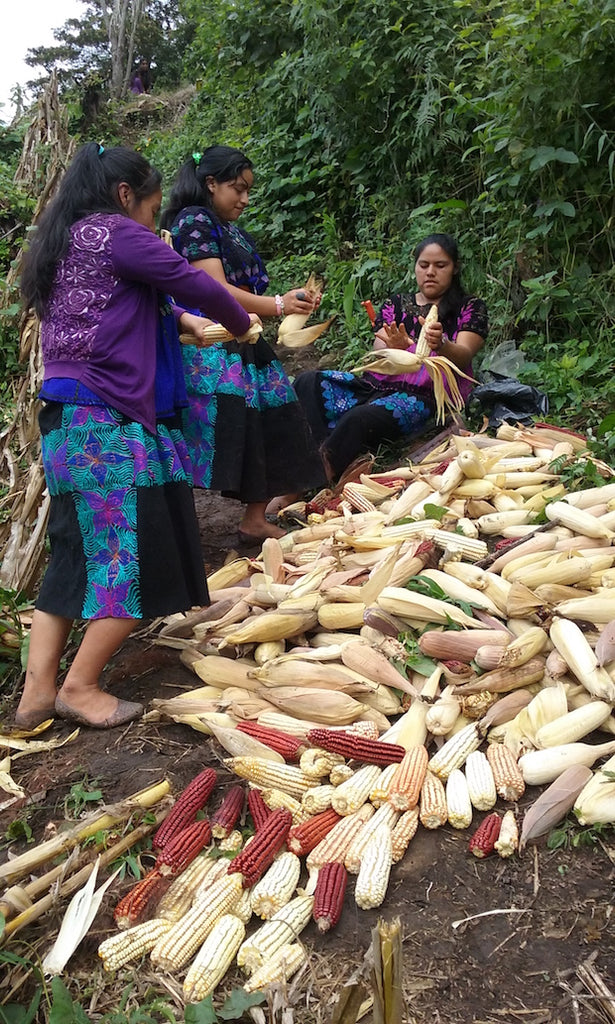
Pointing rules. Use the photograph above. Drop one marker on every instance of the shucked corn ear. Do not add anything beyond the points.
(121, 948)
(571, 643)
(407, 605)
(214, 958)
(285, 925)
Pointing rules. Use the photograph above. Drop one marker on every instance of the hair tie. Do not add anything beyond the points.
(197, 158)
(101, 149)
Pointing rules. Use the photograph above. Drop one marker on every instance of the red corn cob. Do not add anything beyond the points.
(329, 895)
(258, 809)
(355, 747)
(183, 811)
(304, 837)
(226, 817)
(134, 905)
(484, 839)
(183, 847)
(259, 854)
(290, 747)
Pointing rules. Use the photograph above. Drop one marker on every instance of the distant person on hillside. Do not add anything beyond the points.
(141, 78)
(350, 414)
(245, 430)
(124, 537)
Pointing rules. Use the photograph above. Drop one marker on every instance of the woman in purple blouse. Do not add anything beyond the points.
(349, 415)
(124, 537)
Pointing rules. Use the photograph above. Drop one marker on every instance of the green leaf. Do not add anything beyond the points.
(201, 1013)
(238, 1003)
(435, 512)
(63, 1009)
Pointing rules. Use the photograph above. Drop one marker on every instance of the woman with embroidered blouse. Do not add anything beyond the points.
(350, 415)
(124, 537)
(245, 430)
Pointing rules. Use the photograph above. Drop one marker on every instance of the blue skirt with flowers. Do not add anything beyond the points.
(122, 526)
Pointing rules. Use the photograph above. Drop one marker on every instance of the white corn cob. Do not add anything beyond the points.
(282, 928)
(341, 772)
(179, 897)
(386, 815)
(280, 967)
(179, 944)
(318, 798)
(576, 519)
(508, 840)
(316, 763)
(380, 792)
(453, 753)
(375, 870)
(214, 958)
(276, 799)
(481, 784)
(574, 725)
(276, 886)
(347, 798)
(458, 803)
(131, 944)
(262, 773)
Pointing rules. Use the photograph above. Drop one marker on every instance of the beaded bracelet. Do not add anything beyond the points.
(279, 305)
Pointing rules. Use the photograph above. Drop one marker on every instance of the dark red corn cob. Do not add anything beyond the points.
(134, 905)
(259, 854)
(226, 817)
(484, 839)
(258, 809)
(290, 747)
(304, 837)
(183, 847)
(329, 895)
(356, 747)
(183, 811)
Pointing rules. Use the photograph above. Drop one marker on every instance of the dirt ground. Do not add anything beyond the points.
(544, 913)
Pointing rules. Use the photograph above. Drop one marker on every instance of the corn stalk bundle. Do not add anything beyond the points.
(47, 150)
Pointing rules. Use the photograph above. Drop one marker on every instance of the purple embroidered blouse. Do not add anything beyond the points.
(101, 319)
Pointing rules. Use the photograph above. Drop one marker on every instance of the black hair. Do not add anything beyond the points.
(452, 301)
(90, 185)
(222, 163)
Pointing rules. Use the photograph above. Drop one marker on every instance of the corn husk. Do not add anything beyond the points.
(595, 804)
(554, 804)
(327, 707)
(540, 767)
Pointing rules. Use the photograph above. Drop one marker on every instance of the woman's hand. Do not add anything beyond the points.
(394, 336)
(434, 335)
(300, 300)
(194, 325)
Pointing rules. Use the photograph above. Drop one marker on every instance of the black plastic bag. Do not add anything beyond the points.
(507, 400)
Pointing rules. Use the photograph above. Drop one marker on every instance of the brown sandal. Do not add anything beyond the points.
(126, 711)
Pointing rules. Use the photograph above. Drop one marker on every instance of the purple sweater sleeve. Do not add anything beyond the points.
(139, 255)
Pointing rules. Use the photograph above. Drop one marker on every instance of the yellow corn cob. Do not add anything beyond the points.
(574, 725)
(385, 815)
(285, 925)
(233, 841)
(230, 574)
(458, 803)
(432, 803)
(214, 958)
(454, 752)
(335, 844)
(403, 832)
(268, 650)
(342, 772)
(316, 763)
(379, 794)
(276, 886)
(405, 786)
(341, 615)
(270, 774)
(375, 870)
(508, 840)
(243, 909)
(481, 784)
(422, 348)
(285, 962)
(599, 608)
(178, 898)
(276, 799)
(272, 626)
(286, 723)
(121, 948)
(317, 799)
(509, 781)
(179, 944)
(352, 794)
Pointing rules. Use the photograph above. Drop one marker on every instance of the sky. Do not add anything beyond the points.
(27, 23)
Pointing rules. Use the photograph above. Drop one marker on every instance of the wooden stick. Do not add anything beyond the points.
(80, 877)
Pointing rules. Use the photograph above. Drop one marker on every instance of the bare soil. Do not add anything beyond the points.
(545, 913)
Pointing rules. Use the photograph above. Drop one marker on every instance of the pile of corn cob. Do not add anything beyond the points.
(345, 749)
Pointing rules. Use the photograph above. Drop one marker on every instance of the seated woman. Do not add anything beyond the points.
(349, 415)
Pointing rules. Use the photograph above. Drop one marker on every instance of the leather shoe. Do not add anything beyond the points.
(126, 711)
